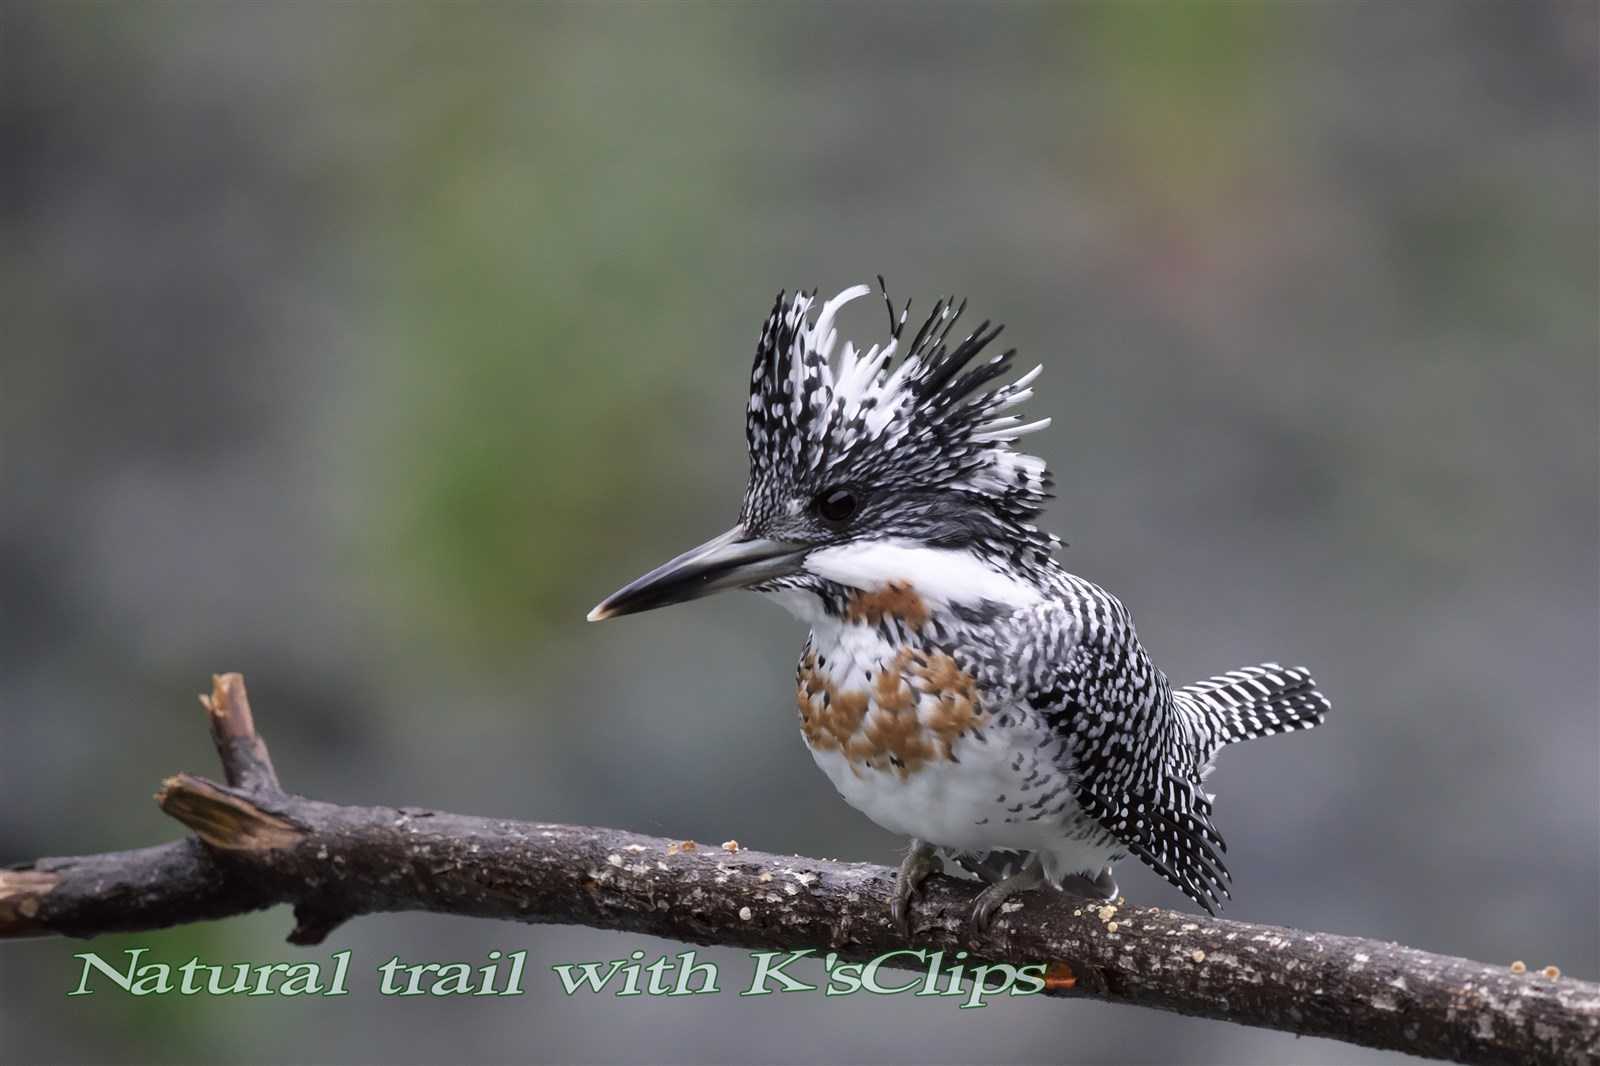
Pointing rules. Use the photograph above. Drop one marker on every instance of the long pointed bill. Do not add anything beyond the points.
(733, 560)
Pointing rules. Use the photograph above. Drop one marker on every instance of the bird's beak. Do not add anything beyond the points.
(734, 560)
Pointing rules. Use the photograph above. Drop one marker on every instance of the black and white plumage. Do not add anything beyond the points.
(958, 685)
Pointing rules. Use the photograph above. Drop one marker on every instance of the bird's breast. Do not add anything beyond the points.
(883, 706)
(907, 736)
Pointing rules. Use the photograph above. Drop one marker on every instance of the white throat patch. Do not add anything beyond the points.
(941, 576)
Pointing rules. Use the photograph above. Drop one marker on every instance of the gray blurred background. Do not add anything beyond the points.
(362, 349)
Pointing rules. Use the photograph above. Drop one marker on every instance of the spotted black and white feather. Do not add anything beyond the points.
(1134, 750)
(959, 686)
(927, 416)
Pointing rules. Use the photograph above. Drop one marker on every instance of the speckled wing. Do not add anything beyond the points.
(1134, 760)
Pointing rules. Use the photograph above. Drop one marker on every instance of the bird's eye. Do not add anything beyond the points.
(836, 505)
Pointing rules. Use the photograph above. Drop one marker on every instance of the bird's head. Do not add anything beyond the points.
(870, 472)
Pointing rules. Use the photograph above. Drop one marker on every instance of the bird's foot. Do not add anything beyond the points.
(1101, 886)
(919, 862)
(989, 901)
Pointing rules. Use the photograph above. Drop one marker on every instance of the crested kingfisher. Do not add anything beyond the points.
(959, 687)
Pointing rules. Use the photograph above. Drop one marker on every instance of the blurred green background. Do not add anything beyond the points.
(363, 348)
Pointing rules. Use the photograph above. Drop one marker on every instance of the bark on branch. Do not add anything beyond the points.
(255, 846)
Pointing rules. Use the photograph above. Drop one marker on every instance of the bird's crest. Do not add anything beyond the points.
(932, 419)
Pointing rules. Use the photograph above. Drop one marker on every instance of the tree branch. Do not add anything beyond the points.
(256, 846)
(245, 762)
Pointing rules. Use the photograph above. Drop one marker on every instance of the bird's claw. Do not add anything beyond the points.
(984, 907)
(991, 899)
(1103, 886)
(921, 861)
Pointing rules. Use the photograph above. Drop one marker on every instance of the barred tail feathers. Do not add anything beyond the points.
(1257, 701)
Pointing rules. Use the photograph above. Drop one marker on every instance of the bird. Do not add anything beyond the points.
(958, 685)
